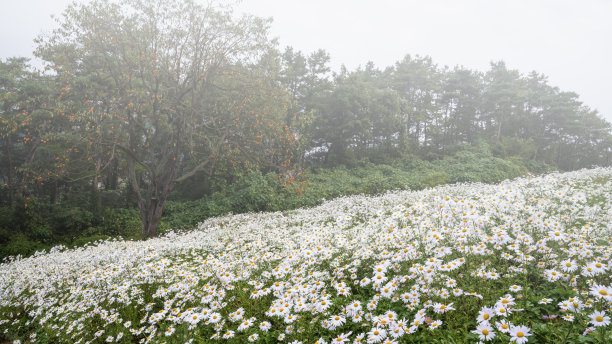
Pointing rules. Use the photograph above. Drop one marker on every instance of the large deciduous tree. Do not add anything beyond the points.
(138, 77)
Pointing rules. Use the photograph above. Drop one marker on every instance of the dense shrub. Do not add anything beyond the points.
(20, 244)
(27, 229)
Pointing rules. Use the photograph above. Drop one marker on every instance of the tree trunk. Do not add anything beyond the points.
(54, 193)
(151, 218)
(151, 211)
(113, 175)
(9, 153)
(152, 203)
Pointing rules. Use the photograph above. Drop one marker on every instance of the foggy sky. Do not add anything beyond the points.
(570, 41)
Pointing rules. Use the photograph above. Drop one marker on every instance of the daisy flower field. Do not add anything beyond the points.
(524, 261)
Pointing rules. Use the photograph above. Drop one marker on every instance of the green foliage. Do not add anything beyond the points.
(6, 224)
(20, 244)
(479, 166)
(257, 192)
(23, 230)
(537, 167)
(468, 165)
(81, 241)
(253, 192)
(29, 219)
(68, 221)
(183, 215)
(121, 222)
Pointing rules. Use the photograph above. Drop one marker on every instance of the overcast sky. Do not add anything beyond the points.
(568, 40)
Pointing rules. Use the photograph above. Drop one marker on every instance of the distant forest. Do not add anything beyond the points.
(135, 112)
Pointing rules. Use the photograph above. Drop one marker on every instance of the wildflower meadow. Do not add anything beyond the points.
(524, 261)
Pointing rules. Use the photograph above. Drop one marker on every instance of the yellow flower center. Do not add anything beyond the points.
(599, 318)
(485, 331)
(603, 292)
(485, 317)
(520, 334)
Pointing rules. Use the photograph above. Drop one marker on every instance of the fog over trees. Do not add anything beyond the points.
(148, 101)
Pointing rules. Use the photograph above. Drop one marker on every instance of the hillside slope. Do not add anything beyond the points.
(457, 263)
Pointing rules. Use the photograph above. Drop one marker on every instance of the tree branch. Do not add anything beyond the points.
(134, 158)
(204, 163)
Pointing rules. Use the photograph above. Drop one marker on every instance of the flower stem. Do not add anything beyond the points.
(568, 333)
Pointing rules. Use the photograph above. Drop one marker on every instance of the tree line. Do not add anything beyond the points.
(150, 97)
